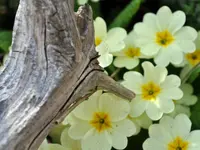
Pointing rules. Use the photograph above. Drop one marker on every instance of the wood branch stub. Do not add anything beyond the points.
(51, 68)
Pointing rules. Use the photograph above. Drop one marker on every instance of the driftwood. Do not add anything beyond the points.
(52, 66)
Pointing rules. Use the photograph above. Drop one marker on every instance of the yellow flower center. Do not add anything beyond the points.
(101, 121)
(193, 58)
(164, 38)
(178, 144)
(150, 91)
(132, 52)
(98, 41)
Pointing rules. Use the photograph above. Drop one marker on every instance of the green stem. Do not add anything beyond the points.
(123, 19)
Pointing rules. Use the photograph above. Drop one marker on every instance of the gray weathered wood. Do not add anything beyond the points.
(51, 68)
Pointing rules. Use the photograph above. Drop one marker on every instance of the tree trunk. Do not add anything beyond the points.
(51, 68)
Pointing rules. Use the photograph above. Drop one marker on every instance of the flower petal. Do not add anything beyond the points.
(109, 101)
(138, 106)
(153, 111)
(186, 33)
(141, 29)
(105, 60)
(166, 105)
(156, 74)
(68, 142)
(187, 88)
(86, 109)
(150, 49)
(137, 126)
(197, 43)
(167, 123)
(55, 147)
(172, 93)
(177, 21)
(119, 141)
(133, 81)
(44, 145)
(153, 144)
(181, 126)
(130, 39)
(70, 119)
(175, 53)
(82, 2)
(158, 132)
(164, 16)
(194, 139)
(188, 100)
(77, 131)
(150, 20)
(162, 58)
(171, 81)
(95, 141)
(160, 74)
(115, 39)
(129, 63)
(186, 46)
(100, 28)
(125, 127)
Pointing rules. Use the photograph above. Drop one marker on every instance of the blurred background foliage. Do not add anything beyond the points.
(123, 13)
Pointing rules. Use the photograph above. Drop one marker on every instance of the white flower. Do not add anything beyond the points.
(107, 43)
(68, 142)
(182, 105)
(154, 91)
(82, 2)
(142, 121)
(172, 134)
(191, 59)
(129, 56)
(101, 122)
(47, 146)
(164, 37)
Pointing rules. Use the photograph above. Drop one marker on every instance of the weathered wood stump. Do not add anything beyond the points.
(52, 66)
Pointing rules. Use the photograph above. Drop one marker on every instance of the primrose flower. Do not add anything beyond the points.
(154, 91)
(142, 121)
(129, 56)
(164, 37)
(188, 99)
(109, 42)
(82, 2)
(101, 122)
(191, 59)
(194, 58)
(172, 134)
(46, 146)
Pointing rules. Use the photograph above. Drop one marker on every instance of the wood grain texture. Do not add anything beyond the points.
(51, 68)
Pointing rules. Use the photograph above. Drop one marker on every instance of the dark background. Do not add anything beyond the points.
(109, 9)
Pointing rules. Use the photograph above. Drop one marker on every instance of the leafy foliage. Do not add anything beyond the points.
(125, 17)
(5, 41)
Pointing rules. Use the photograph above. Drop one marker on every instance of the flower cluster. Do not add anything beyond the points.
(105, 121)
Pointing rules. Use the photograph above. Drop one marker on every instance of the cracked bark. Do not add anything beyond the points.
(51, 68)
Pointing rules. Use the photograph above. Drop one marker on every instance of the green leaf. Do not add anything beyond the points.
(123, 19)
(192, 74)
(195, 115)
(5, 41)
